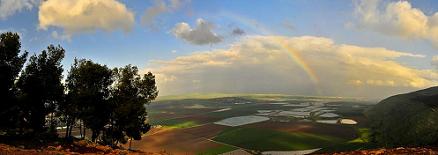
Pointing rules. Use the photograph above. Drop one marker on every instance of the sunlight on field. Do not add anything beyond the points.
(271, 140)
(179, 124)
(363, 136)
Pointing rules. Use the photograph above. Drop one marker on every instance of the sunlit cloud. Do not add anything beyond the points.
(200, 35)
(397, 18)
(81, 16)
(269, 64)
(11, 7)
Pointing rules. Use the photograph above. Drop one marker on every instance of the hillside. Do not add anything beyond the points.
(406, 119)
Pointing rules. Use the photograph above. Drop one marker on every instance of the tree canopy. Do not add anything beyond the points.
(132, 91)
(40, 86)
(88, 86)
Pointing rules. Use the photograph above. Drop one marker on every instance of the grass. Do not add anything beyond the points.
(187, 124)
(360, 143)
(363, 136)
(177, 123)
(348, 147)
(217, 150)
(271, 140)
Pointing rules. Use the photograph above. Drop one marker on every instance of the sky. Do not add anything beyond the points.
(347, 48)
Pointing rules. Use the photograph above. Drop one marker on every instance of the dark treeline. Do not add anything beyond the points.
(34, 100)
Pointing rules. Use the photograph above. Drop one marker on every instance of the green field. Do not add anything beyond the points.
(177, 123)
(363, 136)
(361, 142)
(271, 140)
(217, 150)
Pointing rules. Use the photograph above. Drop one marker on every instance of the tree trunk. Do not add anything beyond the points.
(94, 135)
(66, 131)
(80, 130)
(130, 142)
(71, 127)
(51, 121)
(112, 133)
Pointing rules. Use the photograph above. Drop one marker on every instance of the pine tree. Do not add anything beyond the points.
(88, 86)
(11, 63)
(131, 93)
(41, 88)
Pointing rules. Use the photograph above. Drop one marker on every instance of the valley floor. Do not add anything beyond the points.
(258, 124)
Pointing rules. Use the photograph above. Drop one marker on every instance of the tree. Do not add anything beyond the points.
(88, 86)
(11, 63)
(41, 88)
(130, 95)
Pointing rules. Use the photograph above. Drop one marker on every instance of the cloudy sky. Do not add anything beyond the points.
(351, 48)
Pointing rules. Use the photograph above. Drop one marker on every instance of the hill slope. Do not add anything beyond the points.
(407, 119)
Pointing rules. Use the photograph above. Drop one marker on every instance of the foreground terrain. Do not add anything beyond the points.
(266, 124)
(399, 150)
(80, 147)
(8, 149)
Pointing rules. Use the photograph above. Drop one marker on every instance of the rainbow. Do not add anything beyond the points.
(296, 56)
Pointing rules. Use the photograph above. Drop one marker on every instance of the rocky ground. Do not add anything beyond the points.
(79, 147)
(398, 151)
(84, 147)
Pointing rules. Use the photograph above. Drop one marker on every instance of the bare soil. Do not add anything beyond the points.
(180, 141)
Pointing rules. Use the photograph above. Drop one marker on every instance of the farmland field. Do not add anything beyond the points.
(254, 123)
(269, 140)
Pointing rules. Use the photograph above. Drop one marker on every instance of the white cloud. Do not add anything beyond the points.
(397, 18)
(82, 16)
(297, 65)
(10, 7)
(161, 7)
(200, 35)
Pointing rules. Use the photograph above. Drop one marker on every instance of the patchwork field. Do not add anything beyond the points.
(270, 140)
(254, 123)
